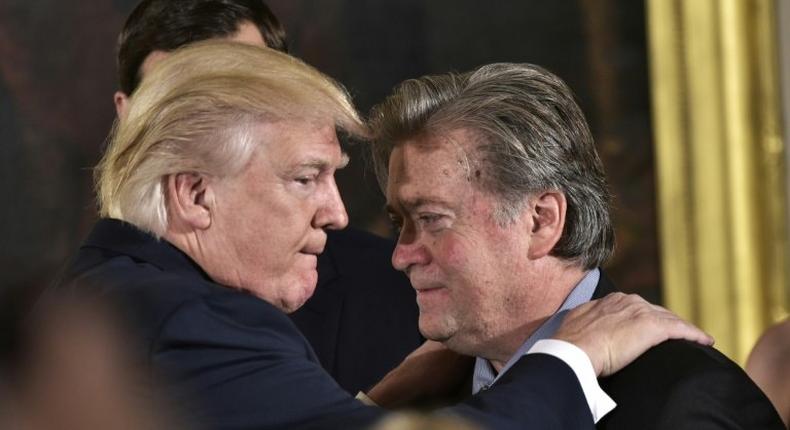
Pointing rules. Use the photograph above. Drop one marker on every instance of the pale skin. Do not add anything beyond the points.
(769, 366)
(261, 230)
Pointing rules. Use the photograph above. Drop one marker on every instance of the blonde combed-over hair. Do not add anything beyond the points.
(193, 113)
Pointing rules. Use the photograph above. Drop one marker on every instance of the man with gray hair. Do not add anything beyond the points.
(215, 192)
(494, 181)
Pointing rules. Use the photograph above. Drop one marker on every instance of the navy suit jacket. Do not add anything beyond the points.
(680, 385)
(237, 362)
(362, 318)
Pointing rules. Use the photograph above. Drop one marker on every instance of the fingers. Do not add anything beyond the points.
(615, 330)
(679, 329)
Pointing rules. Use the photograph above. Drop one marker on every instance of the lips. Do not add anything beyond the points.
(314, 247)
(422, 281)
(426, 287)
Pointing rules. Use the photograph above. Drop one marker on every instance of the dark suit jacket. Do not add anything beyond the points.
(237, 362)
(683, 385)
(362, 319)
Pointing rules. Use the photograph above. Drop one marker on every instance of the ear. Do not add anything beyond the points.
(121, 101)
(190, 201)
(547, 211)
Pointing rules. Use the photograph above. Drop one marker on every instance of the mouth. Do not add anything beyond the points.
(428, 290)
(315, 246)
(314, 250)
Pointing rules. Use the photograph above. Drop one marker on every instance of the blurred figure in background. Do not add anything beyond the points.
(70, 367)
(769, 366)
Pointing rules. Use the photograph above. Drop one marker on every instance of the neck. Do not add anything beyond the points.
(548, 292)
(193, 244)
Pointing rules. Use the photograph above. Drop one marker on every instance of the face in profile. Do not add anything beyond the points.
(458, 256)
(268, 224)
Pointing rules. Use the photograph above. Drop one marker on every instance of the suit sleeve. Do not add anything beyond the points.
(242, 365)
(538, 392)
(245, 365)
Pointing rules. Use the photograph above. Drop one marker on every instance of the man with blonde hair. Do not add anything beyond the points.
(356, 280)
(215, 193)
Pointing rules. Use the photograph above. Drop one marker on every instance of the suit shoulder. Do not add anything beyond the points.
(233, 318)
(673, 364)
(680, 384)
(141, 293)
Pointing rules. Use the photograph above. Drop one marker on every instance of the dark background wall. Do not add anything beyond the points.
(57, 76)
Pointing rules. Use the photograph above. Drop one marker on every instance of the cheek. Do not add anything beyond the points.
(450, 253)
(456, 259)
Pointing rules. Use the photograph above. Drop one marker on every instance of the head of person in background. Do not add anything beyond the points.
(157, 27)
(494, 181)
(223, 157)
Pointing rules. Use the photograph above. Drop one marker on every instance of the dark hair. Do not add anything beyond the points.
(165, 25)
(533, 137)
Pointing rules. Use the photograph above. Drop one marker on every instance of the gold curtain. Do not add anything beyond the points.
(720, 165)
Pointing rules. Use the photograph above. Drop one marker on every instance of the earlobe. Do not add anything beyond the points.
(547, 212)
(121, 101)
(189, 201)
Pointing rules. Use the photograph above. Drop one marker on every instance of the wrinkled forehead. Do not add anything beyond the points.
(446, 154)
(432, 163)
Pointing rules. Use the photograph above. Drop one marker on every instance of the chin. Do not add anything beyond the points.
(435, 330)
(303, 295)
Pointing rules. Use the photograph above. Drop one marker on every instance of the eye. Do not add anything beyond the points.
(306, 180)
(429, 219)
(397, 223)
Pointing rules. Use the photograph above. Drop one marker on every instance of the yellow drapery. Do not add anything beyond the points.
(720, 165)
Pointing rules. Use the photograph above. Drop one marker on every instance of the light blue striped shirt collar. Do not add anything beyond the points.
(485, 375)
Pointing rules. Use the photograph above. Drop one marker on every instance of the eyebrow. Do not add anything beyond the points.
(410, 204)
(322, 164)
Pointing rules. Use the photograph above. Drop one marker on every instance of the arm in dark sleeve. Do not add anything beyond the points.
(248, 367)
(242, 364)
(538, 392)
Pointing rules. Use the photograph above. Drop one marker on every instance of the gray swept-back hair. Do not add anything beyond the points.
(531, 136)
(194, 113)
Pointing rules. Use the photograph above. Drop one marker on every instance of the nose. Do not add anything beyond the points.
(408, 253)
(332, 213)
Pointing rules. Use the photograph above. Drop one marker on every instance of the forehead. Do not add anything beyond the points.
(432, 165)
(293, 142)
(247, 33)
